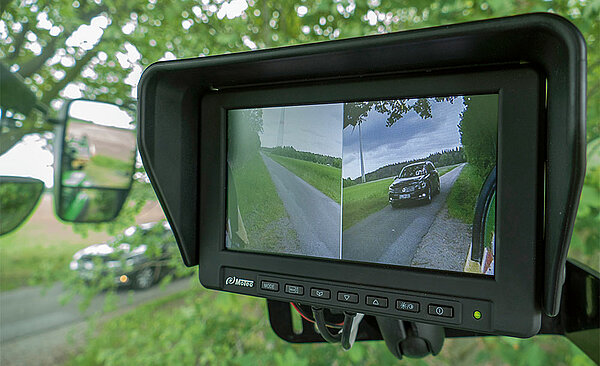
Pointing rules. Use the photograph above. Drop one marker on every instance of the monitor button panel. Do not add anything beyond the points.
(432, 308)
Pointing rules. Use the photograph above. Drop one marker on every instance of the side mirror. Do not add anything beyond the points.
(95, 155)
(18, 198)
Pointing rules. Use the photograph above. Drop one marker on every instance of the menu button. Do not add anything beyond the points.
(269, 286)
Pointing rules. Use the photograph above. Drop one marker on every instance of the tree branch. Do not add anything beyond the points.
(72, 73)
(3, 5)
(19, 40)
(32, 66)
(35, 64)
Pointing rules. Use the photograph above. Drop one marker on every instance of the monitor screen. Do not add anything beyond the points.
(405, 182)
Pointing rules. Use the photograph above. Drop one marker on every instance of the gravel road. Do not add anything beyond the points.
(392, 236)
(315, 217)
(35, 329)
(446, 244)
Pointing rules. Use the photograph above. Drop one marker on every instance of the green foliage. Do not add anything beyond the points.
(464, 193)
(478, 129)
(242, 135)
(585, 243)
(176, 334)
(356, 113)
(183, 329)
(290, 152)
(36, 264)
(17, 200)
(326, 179)
(25, 259)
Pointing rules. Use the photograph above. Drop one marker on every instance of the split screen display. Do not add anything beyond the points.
(401, 182)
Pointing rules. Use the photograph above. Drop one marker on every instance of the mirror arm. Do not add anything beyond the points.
(579, 317)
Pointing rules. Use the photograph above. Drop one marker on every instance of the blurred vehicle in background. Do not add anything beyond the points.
(137, 258)
(78, 152)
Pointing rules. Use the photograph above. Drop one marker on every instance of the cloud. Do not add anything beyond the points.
(313, 128)
(412, 137)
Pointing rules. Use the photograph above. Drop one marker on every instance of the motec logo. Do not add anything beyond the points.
(235, 281)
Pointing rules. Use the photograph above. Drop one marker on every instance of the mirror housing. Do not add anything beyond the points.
(95, 158)
(18, 197)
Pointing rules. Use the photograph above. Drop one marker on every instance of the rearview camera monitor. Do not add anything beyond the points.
(387, 182)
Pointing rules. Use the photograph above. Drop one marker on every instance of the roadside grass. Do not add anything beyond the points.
(326, 179)
(204, 327)
(261, 208)
(463, 195)
(361, 200)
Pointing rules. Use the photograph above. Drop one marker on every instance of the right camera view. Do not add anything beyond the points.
(419, 182)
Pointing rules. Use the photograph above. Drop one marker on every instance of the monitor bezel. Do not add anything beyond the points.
(514, 290)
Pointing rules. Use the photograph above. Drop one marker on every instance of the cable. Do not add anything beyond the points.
(346, 330)
(319, 316)
(310, 320)
(302, 314)
(355, 325)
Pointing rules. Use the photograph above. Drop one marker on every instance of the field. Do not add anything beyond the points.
(361, 200)
(326, 179)
(40, 250)
(105, 171)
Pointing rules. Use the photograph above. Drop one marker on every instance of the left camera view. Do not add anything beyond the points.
(284, 180)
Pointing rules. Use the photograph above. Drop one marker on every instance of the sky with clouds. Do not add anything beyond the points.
(313, 128)
(412, 137)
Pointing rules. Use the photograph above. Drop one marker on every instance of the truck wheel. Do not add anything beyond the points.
(145, 278)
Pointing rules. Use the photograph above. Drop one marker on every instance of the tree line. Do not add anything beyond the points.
(439, 159)
(290, 152)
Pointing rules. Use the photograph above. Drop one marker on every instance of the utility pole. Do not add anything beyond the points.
(362, 161)
(281, 126)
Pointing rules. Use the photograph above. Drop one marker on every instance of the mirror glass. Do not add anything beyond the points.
(97, 161)
(91, 204)
(18, 197)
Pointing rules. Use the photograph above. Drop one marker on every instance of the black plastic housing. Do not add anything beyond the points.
(182, 146)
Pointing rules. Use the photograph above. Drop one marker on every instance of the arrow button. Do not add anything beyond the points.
(380, 302)
(347, 297)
